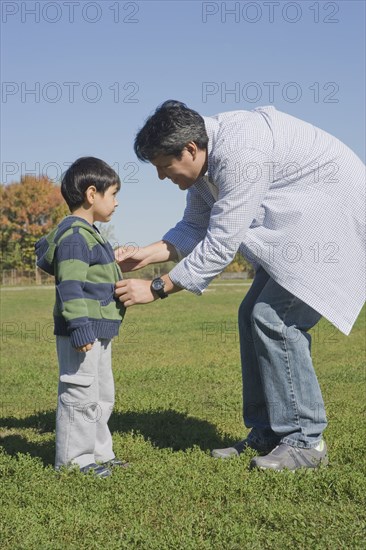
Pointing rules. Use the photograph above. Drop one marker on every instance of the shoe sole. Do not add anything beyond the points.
(322, 464)
(237, 454)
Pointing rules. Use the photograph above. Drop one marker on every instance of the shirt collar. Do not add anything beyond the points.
(212, 128)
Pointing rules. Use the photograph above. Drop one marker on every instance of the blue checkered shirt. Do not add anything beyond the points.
(290, 198)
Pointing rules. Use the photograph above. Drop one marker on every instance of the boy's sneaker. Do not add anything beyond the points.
(238, 448)
(115, 462)
(292, 458)
(98, 470)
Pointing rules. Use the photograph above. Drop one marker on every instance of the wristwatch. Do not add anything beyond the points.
(157, 286)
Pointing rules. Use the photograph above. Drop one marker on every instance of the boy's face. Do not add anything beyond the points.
(183, 171)
(105, 205)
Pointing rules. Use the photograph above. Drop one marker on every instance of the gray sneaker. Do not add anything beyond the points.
(238, 448)
(292, 458)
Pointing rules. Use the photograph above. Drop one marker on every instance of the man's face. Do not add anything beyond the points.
(184, 171)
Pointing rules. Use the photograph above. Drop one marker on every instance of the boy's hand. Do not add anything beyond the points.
(85, 348)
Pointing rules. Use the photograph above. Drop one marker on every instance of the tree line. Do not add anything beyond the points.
(29, 209)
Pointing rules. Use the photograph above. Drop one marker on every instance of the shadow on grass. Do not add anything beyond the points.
(169, 428)
(14, 444)
(41, 422)
(163, 428)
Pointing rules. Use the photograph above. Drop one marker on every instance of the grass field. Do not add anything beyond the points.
(178, 394)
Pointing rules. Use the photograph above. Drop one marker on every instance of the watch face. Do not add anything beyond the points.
(158, 284)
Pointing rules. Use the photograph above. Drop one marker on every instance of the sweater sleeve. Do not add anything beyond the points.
(72, 263)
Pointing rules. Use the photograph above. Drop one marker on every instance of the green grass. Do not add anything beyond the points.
(178, 394)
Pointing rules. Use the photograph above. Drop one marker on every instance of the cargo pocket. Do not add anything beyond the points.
(76, 388)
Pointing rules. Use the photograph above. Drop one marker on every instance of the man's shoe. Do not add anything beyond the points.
(98, 470)
(238, 448)
(292, 458)
(115, 462)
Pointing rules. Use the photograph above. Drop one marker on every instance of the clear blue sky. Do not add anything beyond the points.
(98, 69)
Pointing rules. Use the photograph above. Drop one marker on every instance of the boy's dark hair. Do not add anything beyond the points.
(168, 131)
(83, 173)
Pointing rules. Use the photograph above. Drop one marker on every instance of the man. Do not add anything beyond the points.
(290, 198)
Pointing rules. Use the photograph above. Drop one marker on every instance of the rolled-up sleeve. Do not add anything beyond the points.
(193, 227)
(242, 182)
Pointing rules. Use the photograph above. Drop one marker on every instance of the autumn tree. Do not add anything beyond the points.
(28, 210)
(240, 265)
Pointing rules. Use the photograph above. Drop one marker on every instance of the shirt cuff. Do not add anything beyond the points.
(179, 252)
(184, 244)
(181, 277)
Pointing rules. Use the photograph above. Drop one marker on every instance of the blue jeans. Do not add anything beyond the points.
(282, 398)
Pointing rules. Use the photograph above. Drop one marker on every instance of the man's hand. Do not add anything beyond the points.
(85, 348)
(130, 258)
(134, 291)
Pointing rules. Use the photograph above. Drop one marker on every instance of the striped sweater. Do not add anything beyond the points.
(85, 272)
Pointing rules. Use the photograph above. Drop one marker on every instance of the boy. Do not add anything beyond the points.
(86, 316)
